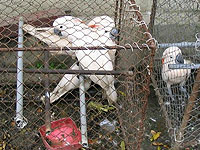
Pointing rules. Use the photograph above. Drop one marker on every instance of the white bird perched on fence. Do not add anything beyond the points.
(81, 35)
(173, 55)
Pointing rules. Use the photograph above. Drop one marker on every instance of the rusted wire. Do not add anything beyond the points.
(63, 71)
(69, 48)
(151, 42)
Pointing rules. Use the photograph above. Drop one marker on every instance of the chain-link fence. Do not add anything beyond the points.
(100, 59)
(176, 27)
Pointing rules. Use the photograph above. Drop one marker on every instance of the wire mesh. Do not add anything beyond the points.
(116, 75)
(178, 92)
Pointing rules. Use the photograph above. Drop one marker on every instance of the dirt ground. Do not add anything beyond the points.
(29, 138)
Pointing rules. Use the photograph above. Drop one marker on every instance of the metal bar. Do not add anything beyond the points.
(71, 48)
(163, 45)
(184, 66)
(47, 94)
(36, 101)
(20, 120)
(181, 44)
(63, 71)
(83, 112)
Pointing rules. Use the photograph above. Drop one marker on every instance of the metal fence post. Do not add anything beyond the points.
(83, 112)
(20, 120)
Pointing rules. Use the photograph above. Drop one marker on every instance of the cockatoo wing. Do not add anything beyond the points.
(99, 60)
(67, 83)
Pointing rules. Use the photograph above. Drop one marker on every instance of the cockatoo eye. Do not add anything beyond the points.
(171, 57)
(61, 27)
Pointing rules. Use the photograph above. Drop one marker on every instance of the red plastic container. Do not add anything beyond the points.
(64, 135)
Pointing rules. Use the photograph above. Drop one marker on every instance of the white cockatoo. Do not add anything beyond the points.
(69, 81)
(173, 55)
(103, 24)
(80, 35)
(48, 36)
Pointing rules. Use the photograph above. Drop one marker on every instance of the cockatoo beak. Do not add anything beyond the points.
(57, 32)
(179, 59)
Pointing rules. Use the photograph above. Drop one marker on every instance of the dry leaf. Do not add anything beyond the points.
(157, 144)
(100, 107)
(155, 135)
(92, 141)
(122, 93)
(166, 146)
(12, 124)
(2, 93)
(122, 145)
(153, 132)
(39, 110)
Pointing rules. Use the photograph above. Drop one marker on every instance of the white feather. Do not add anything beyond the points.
(102, 23)
(67, 83)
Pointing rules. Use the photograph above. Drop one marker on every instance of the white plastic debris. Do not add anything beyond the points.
(107, 125)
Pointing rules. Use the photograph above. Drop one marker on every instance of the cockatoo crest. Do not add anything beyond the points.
(102, 22)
